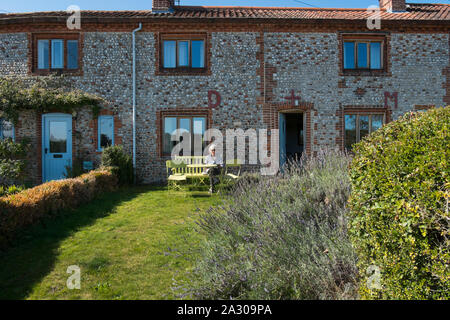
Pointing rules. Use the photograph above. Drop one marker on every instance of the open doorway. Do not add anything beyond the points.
(292, 136)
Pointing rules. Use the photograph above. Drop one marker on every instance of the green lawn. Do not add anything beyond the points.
(126, 244)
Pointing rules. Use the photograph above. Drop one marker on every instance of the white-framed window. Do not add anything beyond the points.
(357, 126)
(105, 132)
(6, 129)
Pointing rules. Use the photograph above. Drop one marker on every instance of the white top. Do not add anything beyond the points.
(214, 160)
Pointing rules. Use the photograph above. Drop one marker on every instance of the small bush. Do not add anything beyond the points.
(32, 205)
(399, 207)
(282, 237)
(6, 191)
(12, 163)
(116, 157)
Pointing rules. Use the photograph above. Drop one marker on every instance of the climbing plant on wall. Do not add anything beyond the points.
(46, 94)
(12, 160)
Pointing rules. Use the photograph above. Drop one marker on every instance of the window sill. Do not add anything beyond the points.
(183, 72)
(46, 72)
(165, 157)
(365, 73)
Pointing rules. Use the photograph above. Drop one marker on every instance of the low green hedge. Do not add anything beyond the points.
(399, 208)
(32, 205)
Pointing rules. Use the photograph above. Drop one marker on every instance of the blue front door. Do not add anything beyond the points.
(56, 145)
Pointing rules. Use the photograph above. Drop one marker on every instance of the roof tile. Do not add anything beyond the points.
(427, 12)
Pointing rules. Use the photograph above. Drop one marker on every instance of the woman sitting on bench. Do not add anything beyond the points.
(215, 171)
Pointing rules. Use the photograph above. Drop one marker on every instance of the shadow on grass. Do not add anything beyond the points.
(33, 253)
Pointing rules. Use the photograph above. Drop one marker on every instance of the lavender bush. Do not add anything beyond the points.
(282, 237)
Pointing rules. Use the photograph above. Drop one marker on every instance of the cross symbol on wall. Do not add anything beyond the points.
(293, 98)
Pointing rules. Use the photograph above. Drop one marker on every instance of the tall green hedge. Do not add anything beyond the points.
(399, 218)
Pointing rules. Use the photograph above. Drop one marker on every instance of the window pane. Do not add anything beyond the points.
(363, 126)
(170, 125)
(57, 54)
(170, 54)
(350, 130)
(199, 125)
(198, 54)
(72, 54)
(349, 55)
(42, 54)
(362, 55)
(375, 55)
(377, 121)
(185, 125)
(58, 137)
(106, 131)
(183, 53)
(199, 131)
(6, 129)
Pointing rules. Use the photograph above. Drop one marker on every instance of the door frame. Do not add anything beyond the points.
(43, 136)
(282, 138)
(305, 131)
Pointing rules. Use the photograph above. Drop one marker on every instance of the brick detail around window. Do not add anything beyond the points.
(265, 73)
(357, 109)
(33, 54)
(94, 129)
(39, 146)
(160, 114)
(160, 71)
(385, 37)
(423, 107)
(74, 144)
